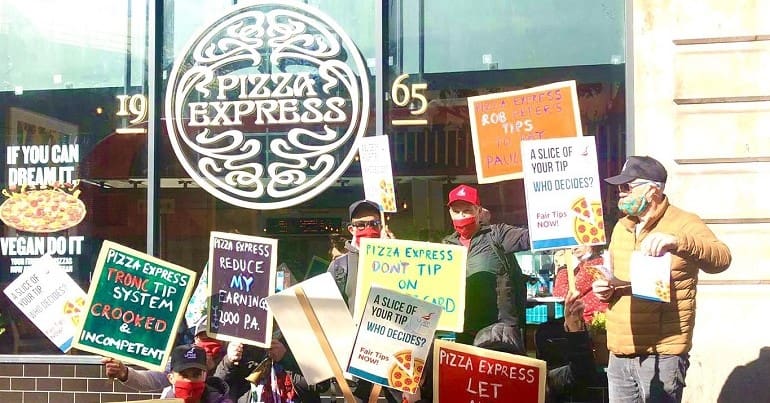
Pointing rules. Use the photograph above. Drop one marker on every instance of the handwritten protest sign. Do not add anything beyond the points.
(393, 339)
(136, 302)
(376, 172)
(499, 122)
(428, 271)
(561, 183)
(463, 374)
(49, 297)
(243, 272)
(331, 312)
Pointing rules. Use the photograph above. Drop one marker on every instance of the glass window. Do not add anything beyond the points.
(74, 77)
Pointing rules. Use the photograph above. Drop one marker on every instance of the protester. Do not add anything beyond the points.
(256, 375)
(590, 260)
(495, 289)
(649, 341)
(561, 382)
(365, 222)
(188, 378)
(151, 381)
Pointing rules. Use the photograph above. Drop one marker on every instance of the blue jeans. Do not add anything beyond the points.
(647, 378)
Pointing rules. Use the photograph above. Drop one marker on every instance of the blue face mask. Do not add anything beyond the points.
(633, 206)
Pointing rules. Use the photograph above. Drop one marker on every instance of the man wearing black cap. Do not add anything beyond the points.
(650, 341)
(188, 377)
(365, 222)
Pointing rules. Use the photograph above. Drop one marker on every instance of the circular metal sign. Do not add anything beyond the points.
(264, 109)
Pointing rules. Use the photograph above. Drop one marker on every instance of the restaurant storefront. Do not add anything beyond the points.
(114, 110)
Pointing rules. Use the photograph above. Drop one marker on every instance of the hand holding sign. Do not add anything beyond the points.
(137, 293)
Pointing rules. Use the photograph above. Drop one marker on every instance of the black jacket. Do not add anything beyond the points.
(486, 270)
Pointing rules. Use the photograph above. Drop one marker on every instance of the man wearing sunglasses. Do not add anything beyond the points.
(650, 341)
(364, 223)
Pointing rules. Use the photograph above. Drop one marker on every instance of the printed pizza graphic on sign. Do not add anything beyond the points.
(73, 309)
(399, 373)
(43, 210)
(588, 221)
(387, 197)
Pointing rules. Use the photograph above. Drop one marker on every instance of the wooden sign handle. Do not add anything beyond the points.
(315, 324)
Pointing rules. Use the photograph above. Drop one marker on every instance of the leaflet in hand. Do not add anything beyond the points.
(651, 277)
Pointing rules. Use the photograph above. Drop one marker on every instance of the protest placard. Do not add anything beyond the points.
(243, 272)
(376, 172)
(316, 266)
(393, 340)
(499, 122)
(428, 271)
(305, 339)
(197, 308)
(135, 304)
(561, 183)
(51, 299)
(463, 374)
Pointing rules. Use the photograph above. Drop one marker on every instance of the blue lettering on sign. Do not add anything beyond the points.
(241, 282)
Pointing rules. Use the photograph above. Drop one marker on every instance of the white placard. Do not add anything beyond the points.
(394, 337)
(651, 277)
(377, 173)
(334, 316)
(561, 182)
(51, 300)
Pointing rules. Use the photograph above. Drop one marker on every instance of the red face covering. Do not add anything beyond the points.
(466, 227)
(189, 391)
(367, 232)
(212, 347)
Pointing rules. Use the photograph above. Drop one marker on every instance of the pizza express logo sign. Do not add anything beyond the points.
(259, 104)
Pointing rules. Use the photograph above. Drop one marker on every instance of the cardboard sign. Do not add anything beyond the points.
(51, 300)
(303, 339)
(499, 122)
(393, 340)
(376, 172)
(428, 271)
(463, 374)
(136, 303)
(243, 272)
(561, 183)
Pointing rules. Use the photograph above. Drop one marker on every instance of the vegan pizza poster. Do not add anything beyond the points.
(561, 183)
(393, 340)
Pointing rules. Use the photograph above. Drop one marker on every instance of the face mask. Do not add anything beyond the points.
(633, 206)
(466, 227)
(189, 391)
(212, 348)
(367, 232)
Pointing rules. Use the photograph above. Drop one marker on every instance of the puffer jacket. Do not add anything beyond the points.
(486, 288)
(636, 326)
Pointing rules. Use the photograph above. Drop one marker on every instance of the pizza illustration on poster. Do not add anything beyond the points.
(41, 206)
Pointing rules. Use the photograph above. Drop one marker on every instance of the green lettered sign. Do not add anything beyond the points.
(136, 302)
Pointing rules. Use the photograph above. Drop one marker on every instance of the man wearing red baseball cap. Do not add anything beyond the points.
(495, 289)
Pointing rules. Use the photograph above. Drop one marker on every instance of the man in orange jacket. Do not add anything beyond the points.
(650, 340)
